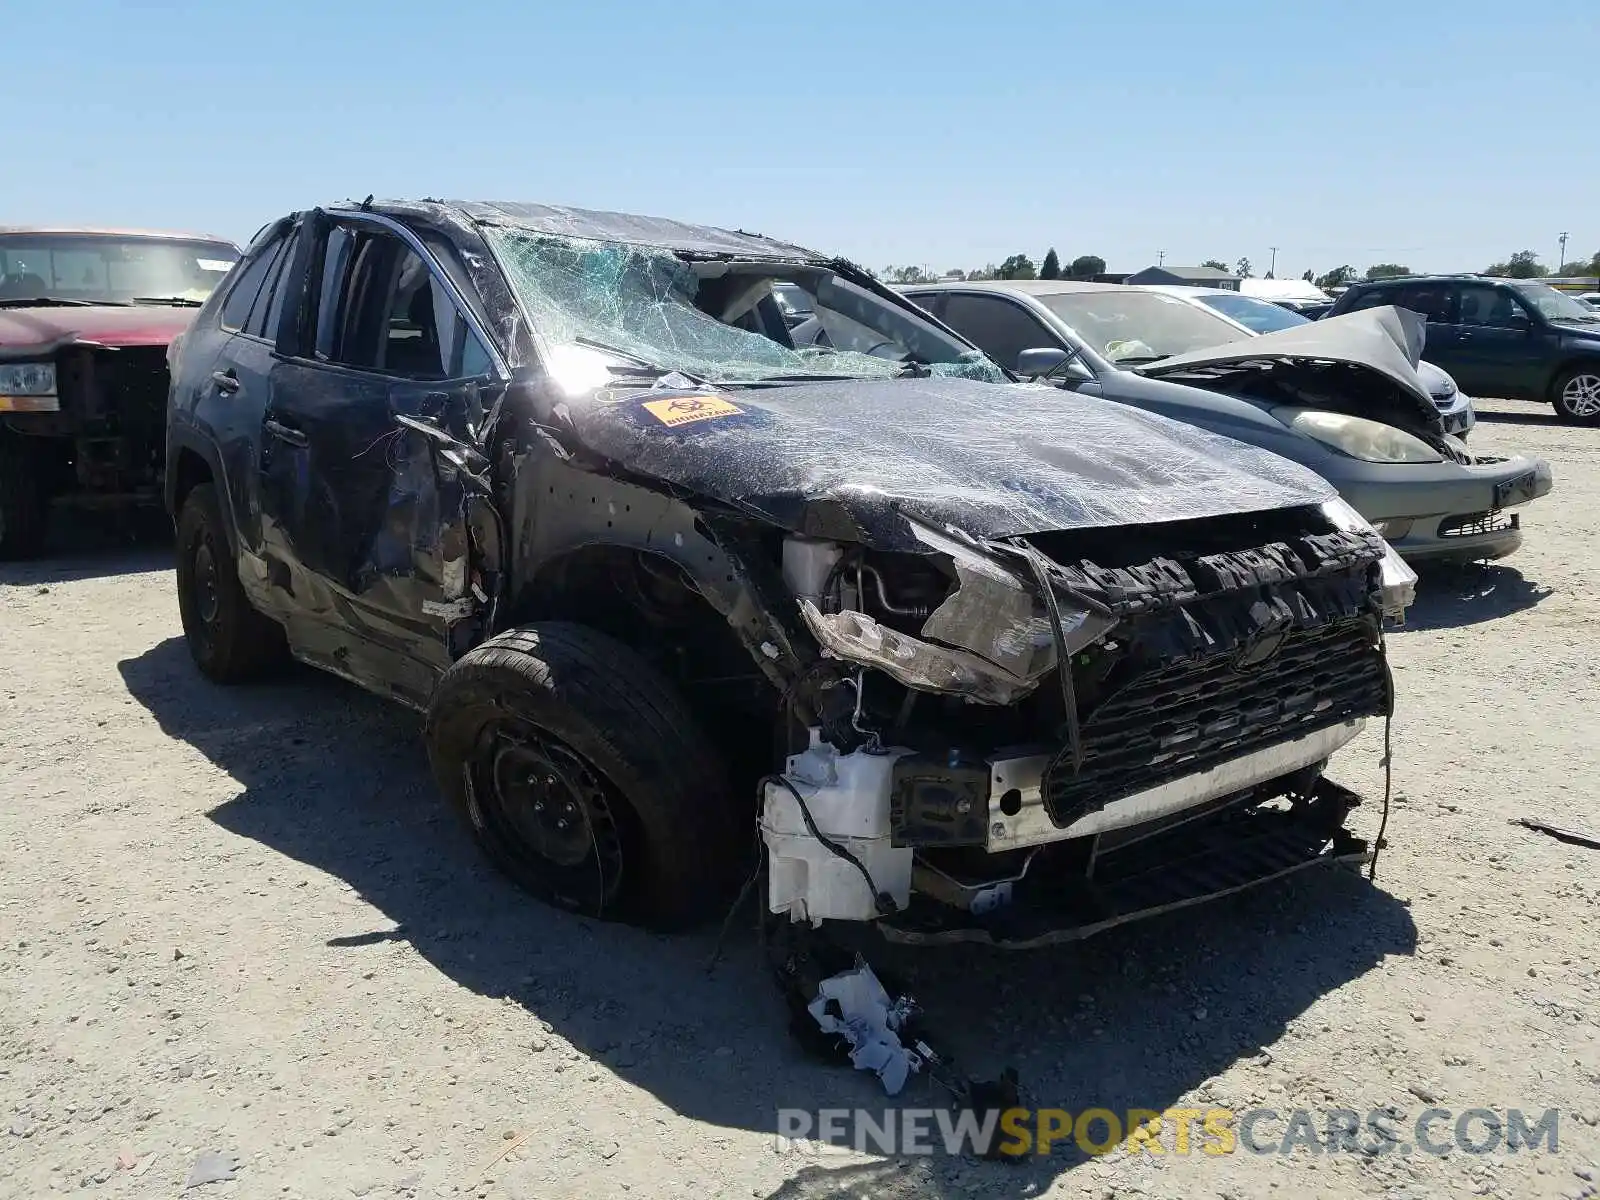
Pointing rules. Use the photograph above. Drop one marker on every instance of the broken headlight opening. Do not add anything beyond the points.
(1038, 738)
(28, 387)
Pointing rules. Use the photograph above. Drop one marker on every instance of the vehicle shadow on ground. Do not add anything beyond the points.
(1135, 1019)
(95, 546)
(1529, 416)
(1449, 597)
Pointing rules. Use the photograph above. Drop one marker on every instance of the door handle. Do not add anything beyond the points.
(225, 381)
(285, 434)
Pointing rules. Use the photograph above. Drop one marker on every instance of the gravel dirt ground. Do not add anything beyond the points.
(240, 921)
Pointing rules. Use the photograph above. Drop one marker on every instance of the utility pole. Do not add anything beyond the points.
(1272, 267)
(1161, 258)
(1561, 258)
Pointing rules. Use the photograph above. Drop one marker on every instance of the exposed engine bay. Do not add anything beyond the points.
(957, 770)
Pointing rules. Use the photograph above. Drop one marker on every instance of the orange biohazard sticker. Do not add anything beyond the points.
(683, 410)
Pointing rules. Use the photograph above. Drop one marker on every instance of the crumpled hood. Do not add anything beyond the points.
(845, 459)
(1382, 345)
(25, 331)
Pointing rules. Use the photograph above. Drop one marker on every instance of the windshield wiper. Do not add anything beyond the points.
(762, 380)
(1136, 360)
(175, 301)
(640, 366)
(58, 302)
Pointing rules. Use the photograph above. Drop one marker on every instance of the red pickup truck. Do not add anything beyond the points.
(86, 316)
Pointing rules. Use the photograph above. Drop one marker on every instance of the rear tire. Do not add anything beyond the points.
(24, 507)
(1576, 394)
(584, 777)
(229, 640)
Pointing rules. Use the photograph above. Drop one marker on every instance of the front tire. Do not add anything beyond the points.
(1576, 394)
(24, 507)
(584, 777)
(228, 639)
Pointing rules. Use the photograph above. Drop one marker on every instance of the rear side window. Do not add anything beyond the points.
(247, 288)
(999, 328)
(281, 285)
(258, 323)
(335, 271)
(1371, 298)
(1432, 300)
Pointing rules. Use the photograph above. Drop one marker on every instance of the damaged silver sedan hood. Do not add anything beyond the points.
(1377, 348)
(852, 459)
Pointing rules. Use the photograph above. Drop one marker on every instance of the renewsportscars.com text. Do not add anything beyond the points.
(1019, 1132)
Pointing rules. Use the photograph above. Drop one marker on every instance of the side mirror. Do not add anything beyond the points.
(1519, 321)
(1040, 361)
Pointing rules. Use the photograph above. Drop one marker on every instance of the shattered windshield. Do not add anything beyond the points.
(627, 306)
(1554, 305)
(1128, 326)
(110, 268)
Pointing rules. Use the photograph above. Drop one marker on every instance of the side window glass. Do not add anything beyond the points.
(1491, 307)
(380, 309)
(281, 288)
(1432, 300)
(1376, 298)
(473, 358)
(997, 327)
(335, 268)
(246, 288)
(261, 321)
(410, 342)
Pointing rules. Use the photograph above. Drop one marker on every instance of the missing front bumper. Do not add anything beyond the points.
(1225, 852)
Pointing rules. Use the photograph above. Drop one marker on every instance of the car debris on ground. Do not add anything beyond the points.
(1572, 837)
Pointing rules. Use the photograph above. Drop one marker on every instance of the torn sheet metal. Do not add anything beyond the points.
(1385, 341)
(999, 617)
(1397, 581)
(852, 460)
(854, 1006)
(855, 637)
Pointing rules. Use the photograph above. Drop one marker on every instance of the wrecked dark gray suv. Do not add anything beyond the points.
(979, 659)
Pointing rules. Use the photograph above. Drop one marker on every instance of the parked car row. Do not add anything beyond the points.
(1384, 448)
(1006, 613)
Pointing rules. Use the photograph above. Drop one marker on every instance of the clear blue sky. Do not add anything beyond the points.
(1438, 134)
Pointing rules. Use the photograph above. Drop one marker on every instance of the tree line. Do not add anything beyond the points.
(1018, 266)
(1524, 264)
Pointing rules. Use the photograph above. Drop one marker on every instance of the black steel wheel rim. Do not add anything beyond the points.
(552, 814)
(205, 584)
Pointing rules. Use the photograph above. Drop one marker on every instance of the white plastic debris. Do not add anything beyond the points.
(212, 1166)
(870, 1022)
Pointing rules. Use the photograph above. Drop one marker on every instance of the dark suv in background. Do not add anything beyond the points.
(1514, 338)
